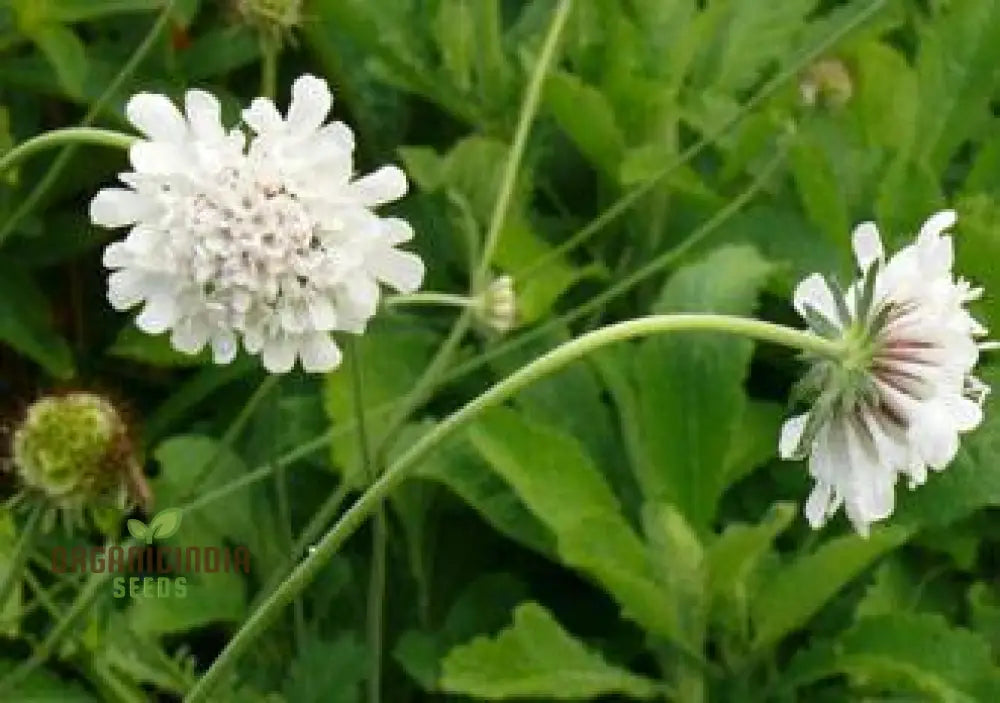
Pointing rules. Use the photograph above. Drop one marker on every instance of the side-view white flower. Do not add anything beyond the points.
(898, 401)
(262, 236)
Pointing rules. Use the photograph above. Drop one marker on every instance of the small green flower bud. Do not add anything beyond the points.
(497, 305)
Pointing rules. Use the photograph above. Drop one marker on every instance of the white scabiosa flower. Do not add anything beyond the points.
(898, 401)
(263, 236)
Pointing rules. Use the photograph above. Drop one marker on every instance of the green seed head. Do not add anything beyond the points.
(68, 446)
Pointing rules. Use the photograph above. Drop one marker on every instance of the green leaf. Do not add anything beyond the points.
(904, 652)
(25, 323)
(888, 117)
(750, 36)
(392, 361)
(66, 53)
(536, 657)
(957, 73)
(738, 551)
(977, 245)
(576, 386)
(454, 29)
(586, 116)
(459, 467)
(208, 599)
(165, 524)
(483, 606)
(138, 529)
(327, 671)
(690, 387)
(796, 592)
(559, 484)
(676, 551)
(908, 193)
(44, 686)
(818, 186)
(984, 605)
(756, 441)
(219, 51)
(191, 465)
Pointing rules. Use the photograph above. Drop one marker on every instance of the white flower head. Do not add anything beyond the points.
(261, 235)
(904, 391)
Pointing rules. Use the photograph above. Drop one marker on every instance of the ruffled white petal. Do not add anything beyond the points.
(319, 353)
(118, 207)
(867, 245)
(263, 117)
(401, 270)
(204, 115)
(279, 354)
(791, 436)
(311, 102)
(814, 292)
(380, 187)
(937, 224)
(156, 117)
(159, 314)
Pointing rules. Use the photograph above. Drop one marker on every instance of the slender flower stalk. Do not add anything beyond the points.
(546, 365)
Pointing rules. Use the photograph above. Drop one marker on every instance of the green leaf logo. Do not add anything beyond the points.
(138, 529)
(163, 525)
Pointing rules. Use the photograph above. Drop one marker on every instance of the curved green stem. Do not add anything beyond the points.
(59, 137)
(555, 360)
(29, 203)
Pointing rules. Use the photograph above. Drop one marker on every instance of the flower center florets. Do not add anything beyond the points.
(253, 245)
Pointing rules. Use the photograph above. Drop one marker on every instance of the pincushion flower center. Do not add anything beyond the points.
(254, 241)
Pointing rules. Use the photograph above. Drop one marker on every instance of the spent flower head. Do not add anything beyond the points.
(261, 236)
(73, 451)
(903, 391)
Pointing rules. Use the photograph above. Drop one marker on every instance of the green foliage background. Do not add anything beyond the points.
(622, 530)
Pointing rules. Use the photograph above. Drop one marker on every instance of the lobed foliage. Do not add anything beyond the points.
(622, 530)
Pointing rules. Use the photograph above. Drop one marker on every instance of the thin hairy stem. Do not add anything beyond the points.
(377, 573)
(548, 364)
(529, 108)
